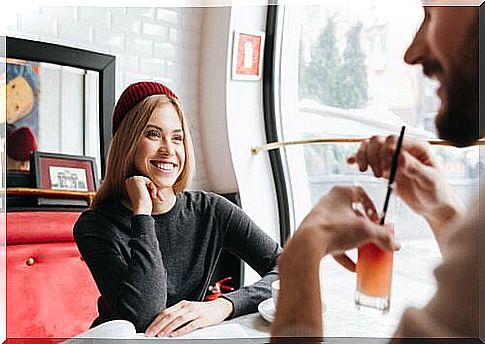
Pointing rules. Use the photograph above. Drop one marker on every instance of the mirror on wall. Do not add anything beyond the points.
(51, 108)
(59, 100)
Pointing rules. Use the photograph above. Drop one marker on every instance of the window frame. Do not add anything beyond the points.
(270, 124)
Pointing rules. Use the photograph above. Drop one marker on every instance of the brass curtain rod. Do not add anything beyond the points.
(275, 145)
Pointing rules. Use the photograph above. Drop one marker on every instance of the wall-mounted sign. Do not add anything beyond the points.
(247, 55)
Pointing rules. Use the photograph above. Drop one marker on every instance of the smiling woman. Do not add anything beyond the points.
(143, 109)
(161, 153)
(152, 247)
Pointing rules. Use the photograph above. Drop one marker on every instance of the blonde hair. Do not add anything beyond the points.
(121, 156)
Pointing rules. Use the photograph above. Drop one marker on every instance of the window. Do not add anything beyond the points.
(347, 64)
(341, 75)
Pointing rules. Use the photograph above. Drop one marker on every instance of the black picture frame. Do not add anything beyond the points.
(64, 172)
(104, 64)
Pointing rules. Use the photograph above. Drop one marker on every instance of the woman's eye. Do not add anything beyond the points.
(178, 138)
(153, 134)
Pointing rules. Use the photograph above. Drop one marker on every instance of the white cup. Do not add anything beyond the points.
(275, 288)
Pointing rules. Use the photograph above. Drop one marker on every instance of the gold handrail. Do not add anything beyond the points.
(275, 145)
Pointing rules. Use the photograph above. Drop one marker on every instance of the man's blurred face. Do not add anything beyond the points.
(446, 46)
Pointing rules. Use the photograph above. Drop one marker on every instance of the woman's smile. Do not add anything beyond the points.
(164, 167)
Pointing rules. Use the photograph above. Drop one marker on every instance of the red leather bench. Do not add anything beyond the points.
(50, 291)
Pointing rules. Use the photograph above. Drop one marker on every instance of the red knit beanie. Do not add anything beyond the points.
(134, 94)
(21, 143)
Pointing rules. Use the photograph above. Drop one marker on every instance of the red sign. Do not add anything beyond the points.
(247, 62)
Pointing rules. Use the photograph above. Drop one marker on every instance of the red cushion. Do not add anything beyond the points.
(50, 291)
(24, 227)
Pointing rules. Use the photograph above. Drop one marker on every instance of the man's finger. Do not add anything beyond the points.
(374, 155)
(417, 171)
(361, 156)
(383, 236)
(388, 151)
(351, 159)
(369, 208)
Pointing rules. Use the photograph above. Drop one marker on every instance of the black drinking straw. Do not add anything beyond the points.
(392, 176)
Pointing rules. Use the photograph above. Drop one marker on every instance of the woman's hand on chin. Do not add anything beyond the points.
(142, 192)
(187, 316)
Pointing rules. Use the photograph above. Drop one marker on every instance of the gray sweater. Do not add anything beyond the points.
(143, 264)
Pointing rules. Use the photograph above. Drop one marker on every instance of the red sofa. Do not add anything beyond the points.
(50, 291)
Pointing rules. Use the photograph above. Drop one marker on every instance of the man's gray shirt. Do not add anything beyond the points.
(143, 264)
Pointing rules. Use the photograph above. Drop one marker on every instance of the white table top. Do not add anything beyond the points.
(413, 285)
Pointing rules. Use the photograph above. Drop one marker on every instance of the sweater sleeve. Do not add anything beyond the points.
(134, 289)
(246, 240)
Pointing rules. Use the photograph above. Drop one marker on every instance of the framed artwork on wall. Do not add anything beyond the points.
(247, 55)
(64, 172)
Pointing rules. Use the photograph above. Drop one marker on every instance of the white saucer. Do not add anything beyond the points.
(267, 309)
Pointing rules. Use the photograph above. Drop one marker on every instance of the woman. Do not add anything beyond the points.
(152, 247)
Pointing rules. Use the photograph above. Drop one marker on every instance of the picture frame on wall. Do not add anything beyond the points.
(64, 172)
(247, 55)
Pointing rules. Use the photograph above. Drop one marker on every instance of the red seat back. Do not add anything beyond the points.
(50, 291)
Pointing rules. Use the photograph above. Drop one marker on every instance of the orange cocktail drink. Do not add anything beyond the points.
(374, 265)
(374, 277)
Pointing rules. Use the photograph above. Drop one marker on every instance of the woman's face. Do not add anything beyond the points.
(160, 154)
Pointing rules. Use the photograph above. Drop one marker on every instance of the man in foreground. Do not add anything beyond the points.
(446, 46)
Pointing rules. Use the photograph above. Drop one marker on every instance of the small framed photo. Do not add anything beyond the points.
(247, 55)
(64, 172)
